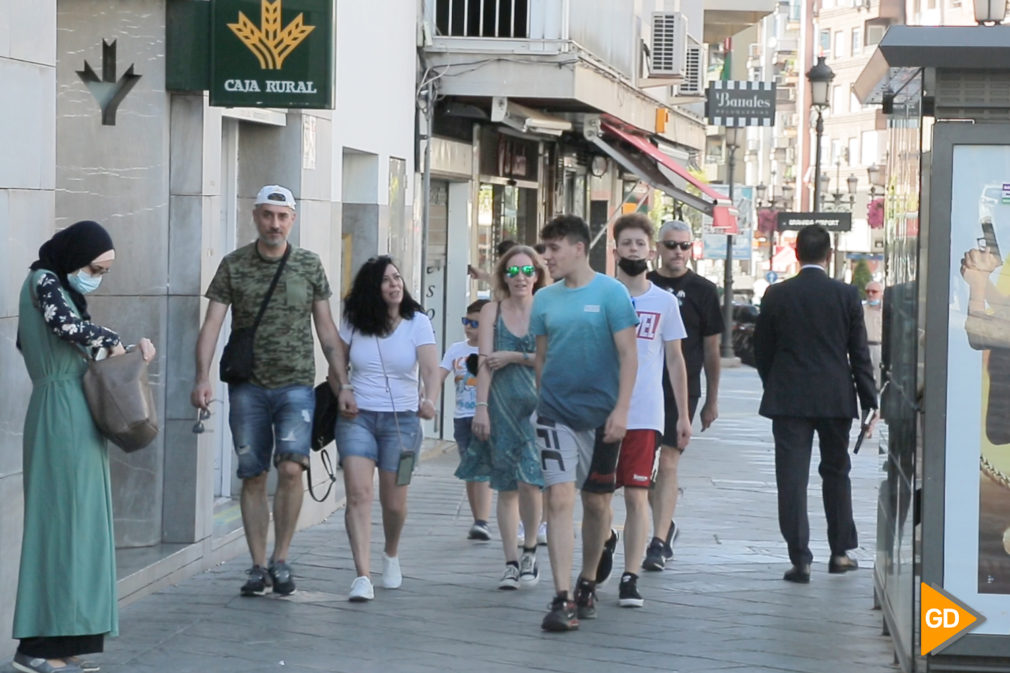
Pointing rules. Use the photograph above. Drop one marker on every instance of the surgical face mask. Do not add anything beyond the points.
(633, 267)
(84, 282)
(873, 302)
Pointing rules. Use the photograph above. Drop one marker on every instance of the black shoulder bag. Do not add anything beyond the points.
(237, 359)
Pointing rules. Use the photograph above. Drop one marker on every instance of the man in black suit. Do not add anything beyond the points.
(811, 352)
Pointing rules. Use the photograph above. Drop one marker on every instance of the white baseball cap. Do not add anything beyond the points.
(275, 195)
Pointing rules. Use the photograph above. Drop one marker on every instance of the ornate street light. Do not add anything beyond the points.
(820, 77)
(875, 175)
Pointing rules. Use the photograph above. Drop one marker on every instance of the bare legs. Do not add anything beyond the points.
(663, 496)
(636, 527)
(255, 508)
(478, 494)
(358, 484)
(513, 506)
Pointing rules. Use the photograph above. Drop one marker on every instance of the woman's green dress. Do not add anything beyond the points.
(67, 581)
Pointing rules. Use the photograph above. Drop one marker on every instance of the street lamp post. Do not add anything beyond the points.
(820, 77)
(734, 136)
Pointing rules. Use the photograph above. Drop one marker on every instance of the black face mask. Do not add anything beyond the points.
(633, 267)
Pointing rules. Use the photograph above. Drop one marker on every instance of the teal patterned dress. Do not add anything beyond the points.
(510, 455)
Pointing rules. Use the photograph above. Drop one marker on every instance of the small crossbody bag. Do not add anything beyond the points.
(237, 359)
(405, 466)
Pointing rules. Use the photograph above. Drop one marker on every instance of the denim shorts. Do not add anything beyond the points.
(270, 421)
(462, 432)
(377, 436)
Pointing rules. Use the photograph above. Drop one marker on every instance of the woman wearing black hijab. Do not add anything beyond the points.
(66, 600)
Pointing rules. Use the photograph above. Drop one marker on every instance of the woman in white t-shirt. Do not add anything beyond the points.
(387, 341)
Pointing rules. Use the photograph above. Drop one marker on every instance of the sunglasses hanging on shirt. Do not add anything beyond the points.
(527, 270)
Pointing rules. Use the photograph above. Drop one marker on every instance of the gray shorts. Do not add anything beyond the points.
(580, 456)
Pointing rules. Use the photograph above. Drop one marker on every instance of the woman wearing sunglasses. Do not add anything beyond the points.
(506, 398)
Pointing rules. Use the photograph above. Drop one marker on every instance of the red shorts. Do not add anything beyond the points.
(636, 464)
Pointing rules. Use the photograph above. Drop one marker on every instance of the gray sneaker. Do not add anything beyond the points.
(259, 580)
(529, 572)
(27, 664)
(510, 580)
(281, 578)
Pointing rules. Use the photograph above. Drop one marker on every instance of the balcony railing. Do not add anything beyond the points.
(604, 29)
(482, 18)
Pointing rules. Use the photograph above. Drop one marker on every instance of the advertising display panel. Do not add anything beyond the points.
(977, 488)
(966, 491)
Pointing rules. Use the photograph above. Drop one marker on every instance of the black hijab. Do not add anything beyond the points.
(71, 249)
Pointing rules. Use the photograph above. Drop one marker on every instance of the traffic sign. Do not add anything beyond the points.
(771, 276)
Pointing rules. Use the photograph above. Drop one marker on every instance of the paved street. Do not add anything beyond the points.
(721, 606)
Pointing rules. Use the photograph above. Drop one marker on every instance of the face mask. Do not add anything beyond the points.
(84, 282)
(633, 267)
(873, 302)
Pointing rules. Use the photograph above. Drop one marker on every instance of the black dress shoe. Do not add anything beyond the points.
(798, 573)
(842, 564)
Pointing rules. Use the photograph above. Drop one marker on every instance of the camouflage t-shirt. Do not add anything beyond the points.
(283, 345)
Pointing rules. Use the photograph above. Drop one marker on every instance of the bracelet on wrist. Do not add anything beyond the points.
(346, 386)
(481, 404)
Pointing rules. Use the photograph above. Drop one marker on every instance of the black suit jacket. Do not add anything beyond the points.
(810, 349)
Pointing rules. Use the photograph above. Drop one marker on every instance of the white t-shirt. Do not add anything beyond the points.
(658, 322)
(399, 353)
(466, 383)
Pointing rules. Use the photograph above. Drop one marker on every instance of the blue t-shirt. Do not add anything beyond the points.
(580, 378)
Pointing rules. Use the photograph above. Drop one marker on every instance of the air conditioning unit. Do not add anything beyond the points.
(669, 45)
(694, 70)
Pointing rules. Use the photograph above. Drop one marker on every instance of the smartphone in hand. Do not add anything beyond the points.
(988, 241)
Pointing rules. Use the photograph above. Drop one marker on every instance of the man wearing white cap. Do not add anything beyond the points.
(271, 401)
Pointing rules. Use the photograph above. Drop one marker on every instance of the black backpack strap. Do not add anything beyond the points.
(270, 290)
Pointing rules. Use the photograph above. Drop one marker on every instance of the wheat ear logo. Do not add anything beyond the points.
(269, 42)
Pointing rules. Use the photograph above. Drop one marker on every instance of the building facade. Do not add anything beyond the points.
(173, 180)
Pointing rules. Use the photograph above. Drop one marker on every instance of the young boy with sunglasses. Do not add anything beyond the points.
(702, 316)
(461, 360)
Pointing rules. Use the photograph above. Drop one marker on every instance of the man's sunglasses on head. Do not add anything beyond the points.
(672, 245)
(471, 323)
(527, 270)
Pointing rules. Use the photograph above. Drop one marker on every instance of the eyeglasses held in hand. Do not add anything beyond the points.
(671, 245)
(471, 323)
(527, 270)
(201, 416)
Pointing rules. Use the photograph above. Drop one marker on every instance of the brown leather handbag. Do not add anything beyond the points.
(120, 400)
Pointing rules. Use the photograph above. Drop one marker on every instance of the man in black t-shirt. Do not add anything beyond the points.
(702, 315)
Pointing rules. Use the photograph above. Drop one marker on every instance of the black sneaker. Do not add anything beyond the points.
(585, 599)
(562, 615)
(607, 558)
(629, 596)
(282, 579)
(671, 537)
(257, 583)
(654, 558)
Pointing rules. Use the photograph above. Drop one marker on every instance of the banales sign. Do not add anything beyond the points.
(736, 103)
(272, 53)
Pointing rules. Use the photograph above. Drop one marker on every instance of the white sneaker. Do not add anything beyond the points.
(510, 580)
(529, 573)
(392, 578)
(361, 590)
(542, 533)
